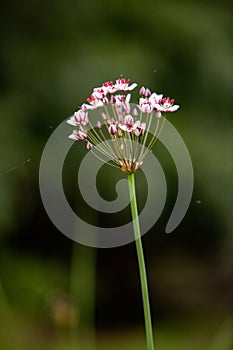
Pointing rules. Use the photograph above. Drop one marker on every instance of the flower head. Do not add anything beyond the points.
(126, 128)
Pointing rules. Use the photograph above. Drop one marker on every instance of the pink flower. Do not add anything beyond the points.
(123, 85)
(166, 105)
(109, 87)
(78, 135)
(112, 128)
(117, 99)
(83, 107)
(155, 98)
(128, 123)
(79, 118)
(94, 102)
(99, 93)
(145, 105)
(139, 128)
(118, 120)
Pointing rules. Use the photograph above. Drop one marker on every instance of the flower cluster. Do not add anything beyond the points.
(120, 123)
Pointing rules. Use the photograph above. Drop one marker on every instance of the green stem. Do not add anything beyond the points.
(141, 263)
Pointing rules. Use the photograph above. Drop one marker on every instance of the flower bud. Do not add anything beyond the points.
(89, 145)
(112, 129)
(98, 124)
(142, 91)
(147, 93)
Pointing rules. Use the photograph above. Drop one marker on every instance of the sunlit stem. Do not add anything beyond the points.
(155, 136)
(141, 263)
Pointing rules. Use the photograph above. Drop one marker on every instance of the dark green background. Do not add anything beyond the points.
(52, 54)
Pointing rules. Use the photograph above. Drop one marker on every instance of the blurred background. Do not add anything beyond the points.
(55, 294)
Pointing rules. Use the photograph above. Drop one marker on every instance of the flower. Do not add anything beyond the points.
(139, 128)
(132, 126)
(109, 87)
(148, 103)
(79, 118)
(123, 85)
(119, 124)
(128, 124)
(94, 102)
(112, 128)
(166, 105)
(145, 105)
(155, 98)
(78, 135)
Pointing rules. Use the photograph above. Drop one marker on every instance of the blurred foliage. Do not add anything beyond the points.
(52, 54)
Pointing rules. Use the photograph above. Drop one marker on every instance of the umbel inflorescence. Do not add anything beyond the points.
(121, 131)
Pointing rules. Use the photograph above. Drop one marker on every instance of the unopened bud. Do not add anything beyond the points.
(112, 129)
(147, 93)
(142, 91)
(89, 145)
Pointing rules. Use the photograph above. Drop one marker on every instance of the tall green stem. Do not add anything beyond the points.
(141, 263)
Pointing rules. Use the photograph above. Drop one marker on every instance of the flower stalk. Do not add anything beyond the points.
(121, 135)
(141, 263)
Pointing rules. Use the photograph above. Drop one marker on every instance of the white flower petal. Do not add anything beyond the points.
(137, 132)
(142, 101)
(128, 97)
(123, 127)
(174, 108)
(154, 98)
(89, 106)
(72, 137)
(132, 86)
(159, 108)
(72, 121)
